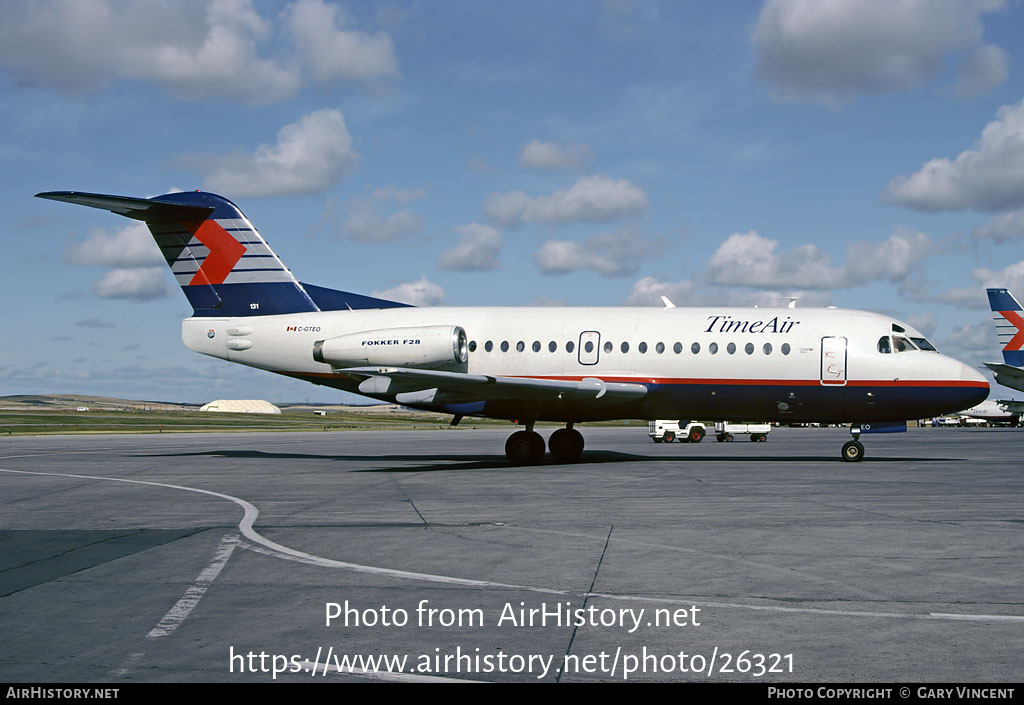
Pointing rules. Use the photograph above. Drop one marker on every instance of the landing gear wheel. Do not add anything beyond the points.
(524, 448)
(696, 435)
(669, 437)
(566, 445)
(853, 451)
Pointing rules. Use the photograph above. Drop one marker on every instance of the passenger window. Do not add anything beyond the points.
(713, 348)
(608, 346)
(570, 346)
(624, 347)
(472, 346)
(520, 346)
(767, 348)
(695, 348)
(488, 346)
(883, 345)
(785, 348)
(731, 348)
(552, 346)
(536, 346)
(749, 348)
(659, 348)
(642, 347)
(589, 347)
(677, 348)
(504, 346)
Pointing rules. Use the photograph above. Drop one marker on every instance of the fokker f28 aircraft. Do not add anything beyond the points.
(568, 365)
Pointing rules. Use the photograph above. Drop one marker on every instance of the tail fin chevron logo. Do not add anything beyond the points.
(225, 251)
(1017, 341)
(1009, 321)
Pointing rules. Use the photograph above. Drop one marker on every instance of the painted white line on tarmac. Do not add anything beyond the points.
(251, 513)
(183, 607)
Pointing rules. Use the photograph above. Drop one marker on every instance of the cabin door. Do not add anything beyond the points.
(833, 360)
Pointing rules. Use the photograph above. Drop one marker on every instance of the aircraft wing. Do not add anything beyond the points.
(1008, 375)
(415, 386)
(1011, 406)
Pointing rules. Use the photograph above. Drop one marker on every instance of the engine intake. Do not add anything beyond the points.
(430, 347)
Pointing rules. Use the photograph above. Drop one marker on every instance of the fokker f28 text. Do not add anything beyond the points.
(568, 365)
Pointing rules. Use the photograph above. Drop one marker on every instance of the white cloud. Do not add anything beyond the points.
(833, 49)
(332, 52)
(611, 254)
(989, 177)
(749, 259)
(592, 199)
(985, 69)
(1002, 228)
(477, 251)
(421, 292)
(369, 226)
(197, 49)
(649, 290)
(367, 220)
(130, 246)
(138, 284)
(310, 156)
(1010, 277)
(549, 155)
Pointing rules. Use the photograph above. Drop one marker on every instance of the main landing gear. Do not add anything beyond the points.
(853, 451)
(527, 447)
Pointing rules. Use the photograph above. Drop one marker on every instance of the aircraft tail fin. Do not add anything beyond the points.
(217, 256)
(1009, 321)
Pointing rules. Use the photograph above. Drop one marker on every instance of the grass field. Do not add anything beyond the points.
(97, 421)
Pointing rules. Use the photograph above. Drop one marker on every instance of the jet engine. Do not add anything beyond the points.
(430, 347)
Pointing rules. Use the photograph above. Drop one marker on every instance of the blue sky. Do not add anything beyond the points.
(864, 154)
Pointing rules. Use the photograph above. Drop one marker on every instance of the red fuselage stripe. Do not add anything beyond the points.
(733, 382)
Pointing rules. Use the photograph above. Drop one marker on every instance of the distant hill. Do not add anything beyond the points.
(43, 402)
(64, 402)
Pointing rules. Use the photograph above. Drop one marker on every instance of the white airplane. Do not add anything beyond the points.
(1009, 321)
(567, 365)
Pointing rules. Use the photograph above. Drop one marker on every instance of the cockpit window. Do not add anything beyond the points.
(924, 344)
(883, 345)
(902, 344)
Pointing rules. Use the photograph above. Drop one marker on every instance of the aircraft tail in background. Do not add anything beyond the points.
(1009, 321)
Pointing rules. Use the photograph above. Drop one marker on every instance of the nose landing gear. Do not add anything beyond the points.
(853, 451)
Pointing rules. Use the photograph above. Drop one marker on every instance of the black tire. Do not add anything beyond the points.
(720, 437)
(853, 451)
(669, 437)
(728, 438)
(524, 448)
(696, 435)
(566, 445)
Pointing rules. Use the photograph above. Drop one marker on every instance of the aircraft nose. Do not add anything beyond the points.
(977, 388)
(969, 374)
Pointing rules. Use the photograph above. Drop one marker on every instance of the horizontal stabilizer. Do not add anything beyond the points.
(144, 209)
